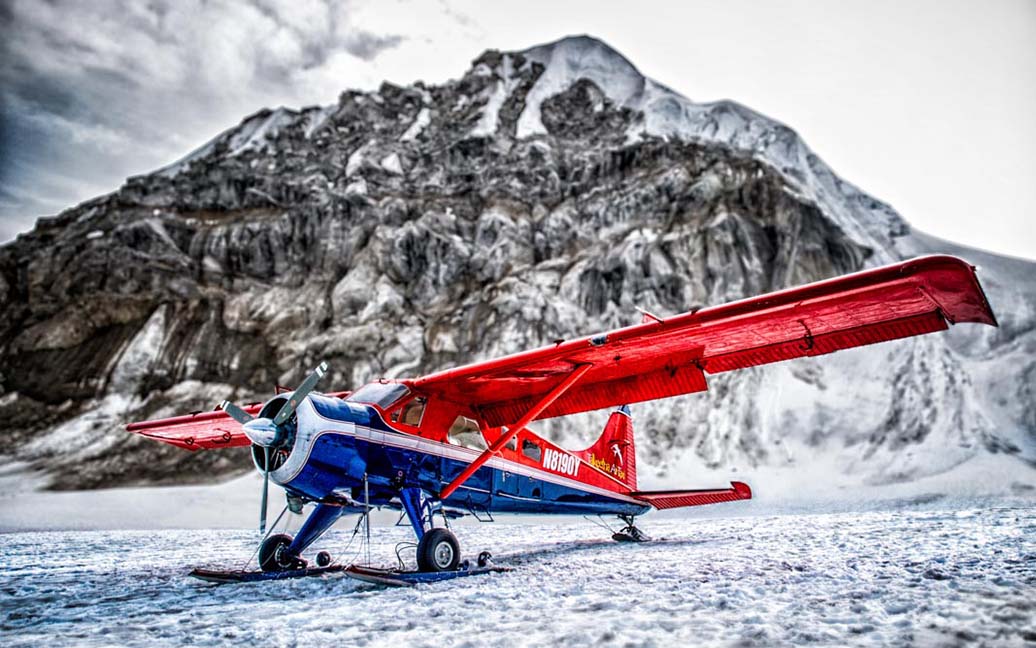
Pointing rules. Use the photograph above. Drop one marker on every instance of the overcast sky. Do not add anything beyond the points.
(928, 106)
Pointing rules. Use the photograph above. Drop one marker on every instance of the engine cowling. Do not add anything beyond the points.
(278, 439)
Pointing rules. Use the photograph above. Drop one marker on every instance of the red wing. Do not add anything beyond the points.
(681, 498)
(201, 431)
(668, 358)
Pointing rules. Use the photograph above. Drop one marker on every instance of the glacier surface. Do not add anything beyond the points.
(923, 574)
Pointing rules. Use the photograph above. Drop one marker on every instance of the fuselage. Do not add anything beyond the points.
(339, 445)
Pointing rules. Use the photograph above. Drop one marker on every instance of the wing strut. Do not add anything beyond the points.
(536, 410)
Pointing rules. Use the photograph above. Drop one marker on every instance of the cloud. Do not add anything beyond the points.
(95, 92)
(367, 46)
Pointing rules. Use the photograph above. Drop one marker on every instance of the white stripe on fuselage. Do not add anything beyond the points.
(448, 451)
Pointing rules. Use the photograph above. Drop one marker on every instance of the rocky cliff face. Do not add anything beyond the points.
(545, 194)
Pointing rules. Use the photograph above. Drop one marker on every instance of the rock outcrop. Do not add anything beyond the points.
(545, 194)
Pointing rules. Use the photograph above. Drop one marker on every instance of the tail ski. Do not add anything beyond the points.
(614, 453)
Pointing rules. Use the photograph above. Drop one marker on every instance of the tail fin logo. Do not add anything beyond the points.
(617, 449)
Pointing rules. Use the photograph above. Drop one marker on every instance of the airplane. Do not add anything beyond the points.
(458, 441)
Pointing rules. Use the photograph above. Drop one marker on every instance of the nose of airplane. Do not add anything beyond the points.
(263, 432)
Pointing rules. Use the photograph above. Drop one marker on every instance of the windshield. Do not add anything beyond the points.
(380, 394)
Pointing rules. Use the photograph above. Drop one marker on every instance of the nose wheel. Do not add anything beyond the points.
(274, 556)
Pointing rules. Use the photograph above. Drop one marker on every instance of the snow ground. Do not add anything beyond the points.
(918, 575)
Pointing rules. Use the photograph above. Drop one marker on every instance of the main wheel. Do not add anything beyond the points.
(438, 551)
(273, 554)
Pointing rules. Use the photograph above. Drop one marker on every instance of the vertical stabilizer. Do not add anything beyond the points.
(614, 452)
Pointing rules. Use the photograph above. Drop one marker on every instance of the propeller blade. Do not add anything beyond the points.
(266, 490)
(235, 412)
(300, 394)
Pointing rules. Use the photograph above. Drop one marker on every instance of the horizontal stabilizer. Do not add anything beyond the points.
(680, 498)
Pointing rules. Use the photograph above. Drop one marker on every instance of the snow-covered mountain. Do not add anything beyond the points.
(545, 194)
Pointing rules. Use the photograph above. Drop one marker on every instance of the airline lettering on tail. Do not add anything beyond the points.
(607, 466)
(561, 462)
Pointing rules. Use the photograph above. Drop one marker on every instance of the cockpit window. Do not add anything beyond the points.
(380, 394)
(464, 432)
(531, 450)
(410, 413)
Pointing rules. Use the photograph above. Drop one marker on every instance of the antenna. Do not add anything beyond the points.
(647, 317)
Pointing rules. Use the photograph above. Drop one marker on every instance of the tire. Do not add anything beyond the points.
(323, 559)
(272, 556)
(438, 551)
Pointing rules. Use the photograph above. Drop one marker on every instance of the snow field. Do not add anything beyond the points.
(904, 577)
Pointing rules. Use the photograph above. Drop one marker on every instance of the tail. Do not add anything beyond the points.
(614, 452)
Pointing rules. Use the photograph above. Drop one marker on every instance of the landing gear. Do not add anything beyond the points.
(438, 551)
(323, 559)
(281, 552)
(274, 555)
(630, 533)
(437, 547)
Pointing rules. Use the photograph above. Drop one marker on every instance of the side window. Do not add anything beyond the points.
(464, 432)
(510, 445)
(532, 450)
(411, 412)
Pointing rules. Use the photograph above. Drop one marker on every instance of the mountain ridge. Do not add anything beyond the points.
(413, 228)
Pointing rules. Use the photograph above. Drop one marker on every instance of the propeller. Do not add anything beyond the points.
(271, 434)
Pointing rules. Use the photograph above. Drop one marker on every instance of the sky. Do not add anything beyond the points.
(926, 105)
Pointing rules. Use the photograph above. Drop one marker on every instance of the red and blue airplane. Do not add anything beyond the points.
(457, 441)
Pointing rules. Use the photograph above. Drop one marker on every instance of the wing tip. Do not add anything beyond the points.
(742, 490)
(978, 313)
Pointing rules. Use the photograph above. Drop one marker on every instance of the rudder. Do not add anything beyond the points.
(614, 452)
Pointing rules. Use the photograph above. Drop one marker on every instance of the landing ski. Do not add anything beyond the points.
(396, 578)
(241, 576)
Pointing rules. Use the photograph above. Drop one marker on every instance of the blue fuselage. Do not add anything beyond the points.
(338, 443)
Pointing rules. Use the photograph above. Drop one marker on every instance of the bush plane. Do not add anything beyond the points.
(458, 441)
